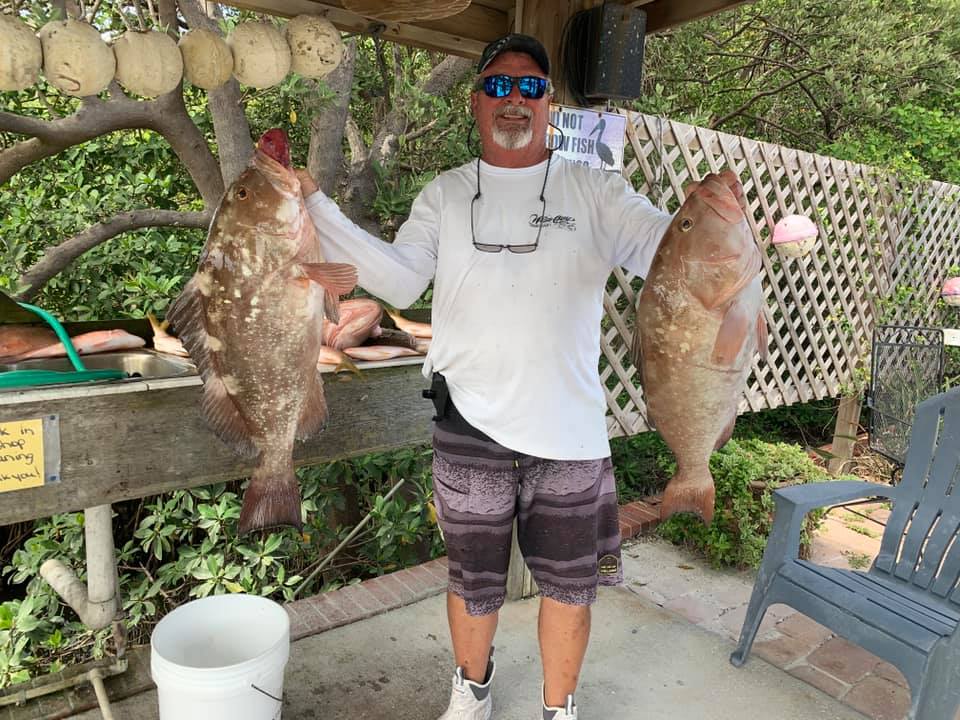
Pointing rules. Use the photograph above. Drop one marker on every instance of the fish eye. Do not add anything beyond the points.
(686, 224)
(242, 193)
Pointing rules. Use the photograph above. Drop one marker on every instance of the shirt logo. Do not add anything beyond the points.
(561, 222)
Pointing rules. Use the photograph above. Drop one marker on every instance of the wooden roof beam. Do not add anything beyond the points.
(465, 34)
(663, 14)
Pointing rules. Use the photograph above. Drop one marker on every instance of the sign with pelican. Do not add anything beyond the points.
(587, 136)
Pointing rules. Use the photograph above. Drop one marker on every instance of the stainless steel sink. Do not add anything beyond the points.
(136, 363)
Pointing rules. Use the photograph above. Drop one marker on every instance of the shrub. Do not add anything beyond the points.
(184, 544)
(745, 473)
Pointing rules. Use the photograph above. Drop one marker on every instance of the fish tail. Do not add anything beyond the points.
(690, 490)
(272, 498)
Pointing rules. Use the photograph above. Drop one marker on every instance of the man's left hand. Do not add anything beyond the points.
(308, 186)
(728, 178)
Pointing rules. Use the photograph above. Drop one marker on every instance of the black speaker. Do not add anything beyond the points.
(611, 52)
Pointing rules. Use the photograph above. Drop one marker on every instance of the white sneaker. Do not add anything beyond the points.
(567, 712)
(470, 700)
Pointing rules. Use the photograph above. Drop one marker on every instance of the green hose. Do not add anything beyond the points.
(61, 334)
(20, 378)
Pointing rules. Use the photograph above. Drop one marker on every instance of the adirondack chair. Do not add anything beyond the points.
(906, 607)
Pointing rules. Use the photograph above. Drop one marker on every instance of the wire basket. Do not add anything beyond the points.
(907, 368)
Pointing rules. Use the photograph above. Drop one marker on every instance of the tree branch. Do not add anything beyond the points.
(362, 188)
(773, 91)
(57, 258)
(327, 126)
(358, 149)
(166, 115)
(421, 131)
(234, 145)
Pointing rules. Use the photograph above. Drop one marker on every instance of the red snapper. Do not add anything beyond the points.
(699, 324)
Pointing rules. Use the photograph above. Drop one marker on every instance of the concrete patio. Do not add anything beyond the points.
(660, 644)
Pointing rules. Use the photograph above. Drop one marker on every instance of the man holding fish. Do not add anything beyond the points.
(519, 245)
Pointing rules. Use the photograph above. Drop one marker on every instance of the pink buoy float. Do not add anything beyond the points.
(794, 235)
(951, 292)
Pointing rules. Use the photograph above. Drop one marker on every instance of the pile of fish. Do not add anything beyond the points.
(699, 325)
(30, 342)
(358, 336)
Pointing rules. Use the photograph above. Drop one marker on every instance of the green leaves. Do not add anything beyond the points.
(745, 472)
(808, 73)
(184, 545)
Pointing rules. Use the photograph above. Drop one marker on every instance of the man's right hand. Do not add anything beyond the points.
(308, 186)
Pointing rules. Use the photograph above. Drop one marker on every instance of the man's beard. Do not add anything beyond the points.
(512, 139)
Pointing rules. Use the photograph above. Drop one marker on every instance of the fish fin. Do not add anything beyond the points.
(217, 406)
(186, 317)
(224, 418)
(726, 434)
(313, 417)
(336, 278)
(156, 325)
(690, 490)
(763, 337)
(398, 319)
(331, 307)
(636, 347)
(731, 336)
(712, 294)
(271, 499)
(347, 365)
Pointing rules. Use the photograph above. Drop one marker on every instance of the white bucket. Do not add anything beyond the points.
(221, 658)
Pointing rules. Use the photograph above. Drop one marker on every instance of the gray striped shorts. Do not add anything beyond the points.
(566, 510)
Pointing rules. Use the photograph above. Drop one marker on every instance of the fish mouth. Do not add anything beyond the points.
(725, 260)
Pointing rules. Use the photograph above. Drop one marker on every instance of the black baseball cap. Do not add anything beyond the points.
(515, 42)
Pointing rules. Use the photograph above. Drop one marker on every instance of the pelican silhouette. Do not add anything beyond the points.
(603, 150)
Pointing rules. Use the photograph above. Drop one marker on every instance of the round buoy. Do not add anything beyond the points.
(951, 292)
(794, 235)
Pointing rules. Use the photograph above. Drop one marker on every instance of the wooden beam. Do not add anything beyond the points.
(130, 440)
(468, 32)
(465, 34)
(663, 14)
(546, 20)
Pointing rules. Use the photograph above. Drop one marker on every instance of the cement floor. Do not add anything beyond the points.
(643, 663)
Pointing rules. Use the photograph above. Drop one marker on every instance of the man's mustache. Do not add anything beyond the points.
(513, 111)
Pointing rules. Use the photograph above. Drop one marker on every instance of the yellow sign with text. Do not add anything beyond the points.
(21, 455)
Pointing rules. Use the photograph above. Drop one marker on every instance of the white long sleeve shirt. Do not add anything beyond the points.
(517, 336)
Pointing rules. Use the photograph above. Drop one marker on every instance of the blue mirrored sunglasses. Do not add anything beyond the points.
(499, 86)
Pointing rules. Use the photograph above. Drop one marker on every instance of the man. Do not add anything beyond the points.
(519, 244)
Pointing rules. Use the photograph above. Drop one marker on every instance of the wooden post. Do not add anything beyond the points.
(845, 433)
(520, 582)
(545, 20)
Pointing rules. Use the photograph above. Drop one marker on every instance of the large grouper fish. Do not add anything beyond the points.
(251, 318)
(699, 325)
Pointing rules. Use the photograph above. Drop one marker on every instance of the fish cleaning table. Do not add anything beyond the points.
(118, 441)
